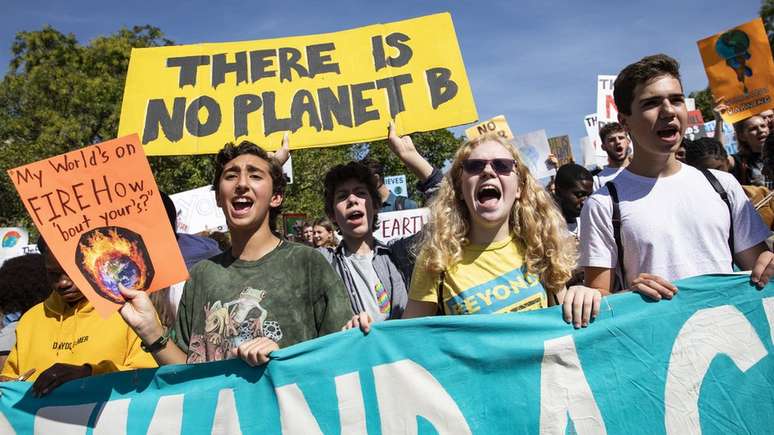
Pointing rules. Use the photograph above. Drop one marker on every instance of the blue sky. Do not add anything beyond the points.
(534, 61)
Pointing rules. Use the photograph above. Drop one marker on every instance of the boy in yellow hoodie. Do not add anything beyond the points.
(64, 338)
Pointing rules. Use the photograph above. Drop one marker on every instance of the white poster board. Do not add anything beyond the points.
(606, 110)
(534, 148)
(399, 224)
(287, 169)
(197, 211)
(13, 241)
(396, 184)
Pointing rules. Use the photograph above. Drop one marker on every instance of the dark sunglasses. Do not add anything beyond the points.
(500, 166)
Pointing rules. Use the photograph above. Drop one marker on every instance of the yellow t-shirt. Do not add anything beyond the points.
(54, 331)
(489, 279)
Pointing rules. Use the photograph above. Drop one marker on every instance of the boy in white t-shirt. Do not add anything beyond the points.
(673, 222)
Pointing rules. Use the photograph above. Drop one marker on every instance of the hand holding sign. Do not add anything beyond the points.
(99, 210)
(283, 154)
(403, 147)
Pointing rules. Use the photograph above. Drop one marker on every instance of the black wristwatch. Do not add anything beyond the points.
(156, 345)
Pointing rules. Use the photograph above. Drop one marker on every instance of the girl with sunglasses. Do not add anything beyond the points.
(495, 242)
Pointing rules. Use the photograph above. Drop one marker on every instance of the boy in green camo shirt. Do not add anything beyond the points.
(261, 294)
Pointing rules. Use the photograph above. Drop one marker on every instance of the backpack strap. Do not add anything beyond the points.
(724, 196)
(441, 310)
(617, 232)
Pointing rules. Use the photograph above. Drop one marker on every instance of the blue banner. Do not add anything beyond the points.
(700, 363)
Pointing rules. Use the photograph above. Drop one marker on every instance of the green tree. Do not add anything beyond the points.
(305, 195)
(436, 146)
(59, 95)
(767, 14)
(704, 103)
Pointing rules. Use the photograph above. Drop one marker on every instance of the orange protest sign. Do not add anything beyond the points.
(100, 212)
(740, 69)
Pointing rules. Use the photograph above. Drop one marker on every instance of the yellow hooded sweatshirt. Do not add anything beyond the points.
(56, 332)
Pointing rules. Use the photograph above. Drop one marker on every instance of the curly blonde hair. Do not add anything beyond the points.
(535, 221)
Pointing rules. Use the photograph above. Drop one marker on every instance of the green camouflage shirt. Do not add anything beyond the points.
(290, 295)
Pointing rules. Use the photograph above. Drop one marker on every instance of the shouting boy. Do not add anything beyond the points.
(260, 294)
(660, 220)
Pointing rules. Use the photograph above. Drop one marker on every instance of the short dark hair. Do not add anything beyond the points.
(609, 129)
(376, 167)
(642, 71)
(23, 283)
(351, 171)
(702, 148)
(569, 174)
(169, 207)
(230, 151)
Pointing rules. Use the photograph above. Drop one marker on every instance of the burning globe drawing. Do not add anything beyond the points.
(111, 256)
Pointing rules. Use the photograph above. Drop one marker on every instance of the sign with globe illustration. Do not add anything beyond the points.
(113, 256)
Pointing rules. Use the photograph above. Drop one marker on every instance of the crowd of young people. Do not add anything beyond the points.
(496, 242)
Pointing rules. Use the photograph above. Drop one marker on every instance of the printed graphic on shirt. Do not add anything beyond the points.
(382, 298)
(69, 345)
(513, 291)
(231, 324)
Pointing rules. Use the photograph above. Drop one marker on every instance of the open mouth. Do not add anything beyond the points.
(355, 216)
(669, 133)
(241, 205)
(488, 195)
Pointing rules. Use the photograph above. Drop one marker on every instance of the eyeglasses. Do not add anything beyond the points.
(477, 166)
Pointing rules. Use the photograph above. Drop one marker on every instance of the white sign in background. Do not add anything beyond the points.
(197, 211)
(396, 184)
(606, 110)
(287, 169)
(399, 224)
(534, 148)
(13, 241)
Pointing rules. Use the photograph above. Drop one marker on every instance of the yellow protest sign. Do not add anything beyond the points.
(497, 125)
(328, 89)
(740, 69)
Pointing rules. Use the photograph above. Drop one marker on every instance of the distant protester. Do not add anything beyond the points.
(616, 143)
(22, 285)
(324, 234)
(747, 163)
(574, 184)
(707, 153)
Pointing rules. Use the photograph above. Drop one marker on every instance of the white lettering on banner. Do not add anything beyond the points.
(112, 418)
(563, 389)
(63, 420)
(5, 426)
(295, 416)
(168, 417)
(398, 411)
(707, 333)
(351, 406)
(226, 421)
(768, 308)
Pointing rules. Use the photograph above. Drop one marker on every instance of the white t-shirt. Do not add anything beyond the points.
(674, 227)
(606, 174)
